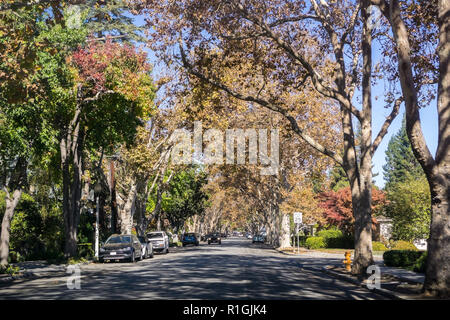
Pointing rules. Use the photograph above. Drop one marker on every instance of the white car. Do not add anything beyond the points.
(147, 248)
(159, 240)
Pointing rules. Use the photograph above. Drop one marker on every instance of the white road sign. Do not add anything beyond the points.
(298, 217)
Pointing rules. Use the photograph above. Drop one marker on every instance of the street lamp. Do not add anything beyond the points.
(97, 190)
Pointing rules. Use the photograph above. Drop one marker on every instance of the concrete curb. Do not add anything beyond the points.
(290, 254)
(43, 274)
(384, 292)
(32, 275)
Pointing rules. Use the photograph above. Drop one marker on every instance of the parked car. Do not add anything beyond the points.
(190, 238)
(214, 238)
(258, 238)
(147, 247)
(121, 247)
(159, 240)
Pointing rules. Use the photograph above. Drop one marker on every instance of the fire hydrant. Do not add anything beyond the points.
(348, 262)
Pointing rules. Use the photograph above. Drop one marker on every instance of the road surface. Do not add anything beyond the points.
(237, 269)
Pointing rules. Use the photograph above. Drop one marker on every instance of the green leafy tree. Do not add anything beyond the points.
(25, 134)
(185, 197)
(409, 208)
(114, 19)
(338, 178)
(400, 160)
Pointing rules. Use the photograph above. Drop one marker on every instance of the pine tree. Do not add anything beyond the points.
(338, 178)
(112, 18)
(400, 160)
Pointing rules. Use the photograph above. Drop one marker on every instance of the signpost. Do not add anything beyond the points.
(298, 220)
(97, 190)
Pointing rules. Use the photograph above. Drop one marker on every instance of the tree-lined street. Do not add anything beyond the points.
(237, 269)
(128, 126)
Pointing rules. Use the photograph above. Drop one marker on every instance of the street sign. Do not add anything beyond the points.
(298, 217)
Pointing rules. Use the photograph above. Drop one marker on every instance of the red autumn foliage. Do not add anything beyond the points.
(97, 61)
(337, 207)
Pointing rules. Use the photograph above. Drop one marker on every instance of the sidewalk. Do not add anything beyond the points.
(396, 283)
(35, 269)
(402, 274)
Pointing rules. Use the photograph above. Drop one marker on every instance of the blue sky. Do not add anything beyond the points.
(429, 119)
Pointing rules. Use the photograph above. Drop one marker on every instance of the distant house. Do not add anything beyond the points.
(383, 229)
(421, 244)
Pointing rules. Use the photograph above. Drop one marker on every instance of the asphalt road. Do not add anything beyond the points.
(237, 269)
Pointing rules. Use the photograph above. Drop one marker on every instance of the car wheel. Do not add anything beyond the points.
(167, 250)
(220, 242)
(209, 242)
(133, 257)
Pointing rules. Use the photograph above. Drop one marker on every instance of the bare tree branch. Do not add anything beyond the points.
(317, 80)
(265, 104)
(386, 125)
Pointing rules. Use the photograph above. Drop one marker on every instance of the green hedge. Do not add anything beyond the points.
(378, 246)
(334, 238)
(404, 245)
(330, 233)
(421, 263)
(85, 250)
(315, 242)
(410, 259)
(301, 240)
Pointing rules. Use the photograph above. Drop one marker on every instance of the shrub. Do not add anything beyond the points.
(421, 263)
(315, 243)
(401, 258)
(85, 250)
(378, 246)
(334, 238)
(404, 245)
(344, 242)
(331, 233)
(301, 240)
(9, 269)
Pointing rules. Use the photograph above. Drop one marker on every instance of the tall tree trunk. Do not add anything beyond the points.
(11, 203)
(285, 235)
(437, 280)
(16, 183)
(126, 213)
(362, 212)
(362, 184)
(71, 147)
(437, 277)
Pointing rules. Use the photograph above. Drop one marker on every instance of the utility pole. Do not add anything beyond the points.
(113, 196)
(97, 190)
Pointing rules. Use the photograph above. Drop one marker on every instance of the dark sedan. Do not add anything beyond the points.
(121, 247)
(214, 238)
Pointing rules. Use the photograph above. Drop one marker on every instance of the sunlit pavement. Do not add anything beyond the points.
(237, 269)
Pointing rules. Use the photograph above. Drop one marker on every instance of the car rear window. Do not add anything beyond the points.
(155, 235)
(119, 239)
